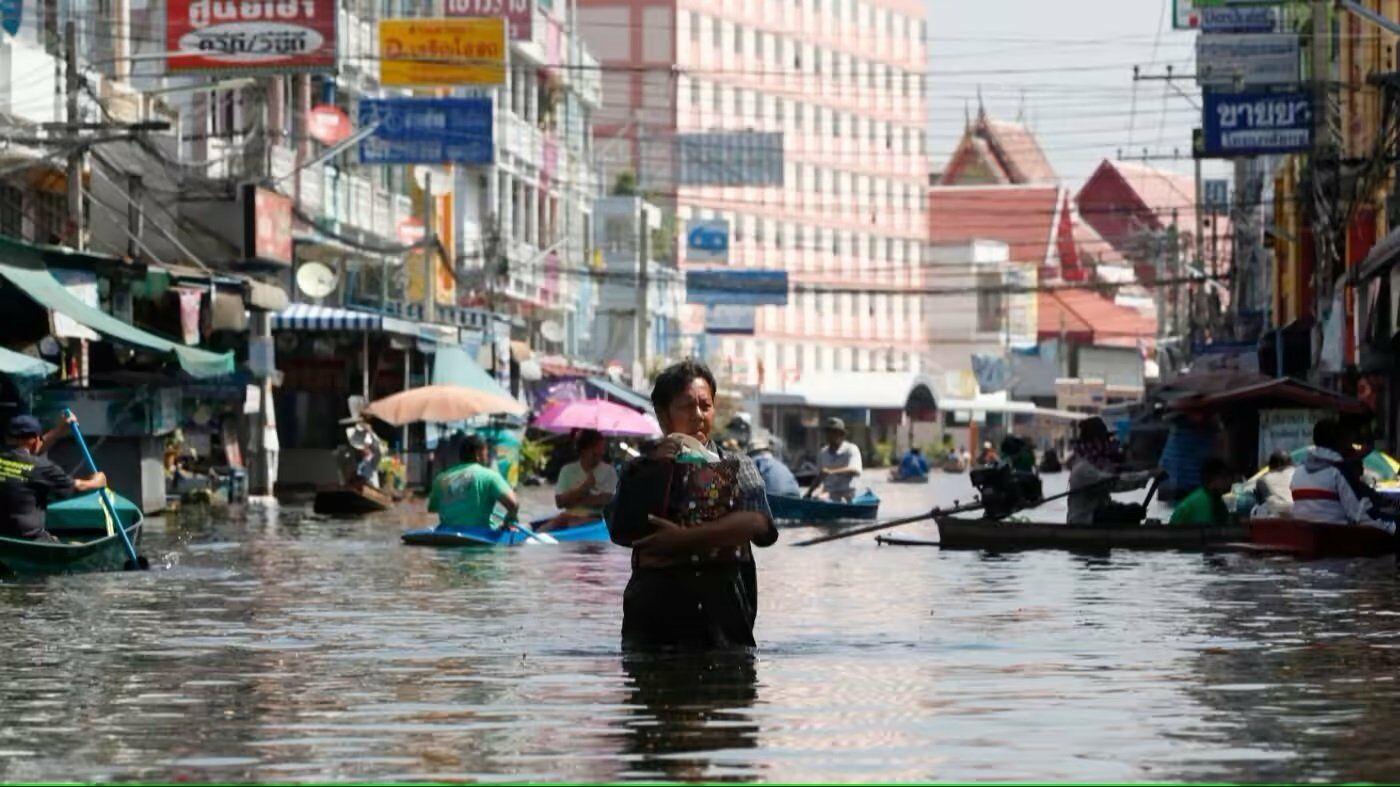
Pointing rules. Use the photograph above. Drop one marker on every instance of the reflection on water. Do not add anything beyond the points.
(282, 646)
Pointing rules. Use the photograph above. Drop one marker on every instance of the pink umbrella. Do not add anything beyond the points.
(599, 414)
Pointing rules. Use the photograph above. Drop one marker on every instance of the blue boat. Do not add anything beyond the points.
(482, 535)
(797, 509)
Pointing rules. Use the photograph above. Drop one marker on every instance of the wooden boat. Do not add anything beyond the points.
(81, 527)
(351, 501)
(956, 533)
(797, 509)
(1318, 540)
(480, 535)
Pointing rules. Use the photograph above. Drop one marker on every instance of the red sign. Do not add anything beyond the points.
(250, 36)
(411, 231)
(267, 226)
(519, 14)
(327, 124)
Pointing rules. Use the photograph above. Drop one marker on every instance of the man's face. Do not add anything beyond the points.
(594, 452)
(834, 437)
(31, 443)
(483, 455)
(692, 412)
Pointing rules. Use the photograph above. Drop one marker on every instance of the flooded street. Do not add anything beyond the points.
(286, 648)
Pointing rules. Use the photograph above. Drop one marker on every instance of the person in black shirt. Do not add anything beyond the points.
(28, 480)
(690, 527)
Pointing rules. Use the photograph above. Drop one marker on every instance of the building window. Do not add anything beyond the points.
(797, 115)
(695, 92)
(989, 302)
(836, 184)
(778, 234)
(836, 124)
(908, 80)
(758, 37)
(836, 8)
(694, 27)
(817, 177)
(738, 104)
(738, 40)
(760, 236)
(718, 34)
(717, 98)
(817, 60)
(778, 112)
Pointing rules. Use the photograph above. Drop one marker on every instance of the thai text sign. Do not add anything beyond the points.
(1245, 60)
(737, 287)
(427, 130)
(1285, 430)
(250, 36)
(1238, 124)
(428, 52)
(519, 14)
(730, 319)
(267, 225)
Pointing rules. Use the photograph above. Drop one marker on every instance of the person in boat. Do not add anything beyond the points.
(1273, 492)
(467, 495)
(912, 465)
(691, 527)
(1205, 506)
(1321, 490)
(838, 463)
(988, 455)
(29, 481)
(1097, 472)
(366, 451)
(777, 478)
(964, 456)
(585, 487)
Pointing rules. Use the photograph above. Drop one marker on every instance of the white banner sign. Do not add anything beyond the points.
(1285, 430)
(1247, 60)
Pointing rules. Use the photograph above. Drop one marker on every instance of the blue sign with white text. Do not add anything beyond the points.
(11, 13)
(736, 288)
(428, 131)
(1247, 124)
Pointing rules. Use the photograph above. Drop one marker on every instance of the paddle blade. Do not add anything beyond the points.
(139, 564)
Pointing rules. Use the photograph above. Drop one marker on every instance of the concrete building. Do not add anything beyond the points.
(844, 82)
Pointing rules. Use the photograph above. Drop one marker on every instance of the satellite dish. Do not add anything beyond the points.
(316, 280)
(552, 331)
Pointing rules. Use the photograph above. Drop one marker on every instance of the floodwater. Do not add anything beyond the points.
(278, 647)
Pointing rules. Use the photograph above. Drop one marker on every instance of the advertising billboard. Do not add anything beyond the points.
(257, 37)
(730, 158)
(442, 52)
(267, 226)
(737, 287)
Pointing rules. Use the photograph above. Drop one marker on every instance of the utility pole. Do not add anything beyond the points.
(430, 253)
(489, 267)
(72, 85)
(1321, 148)
(639, 324)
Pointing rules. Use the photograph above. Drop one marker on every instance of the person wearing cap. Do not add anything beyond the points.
(777, 478)
(839, 463)
(29, 481)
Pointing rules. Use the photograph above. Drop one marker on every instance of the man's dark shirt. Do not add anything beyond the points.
(27, 484)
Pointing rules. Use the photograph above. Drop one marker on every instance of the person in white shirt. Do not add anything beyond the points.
(585, 486)
(1272, 492)
(1321, 493)
(839, 463)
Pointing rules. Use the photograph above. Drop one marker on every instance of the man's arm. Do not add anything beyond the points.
(94, 481)
(510, 503)
(731, 530)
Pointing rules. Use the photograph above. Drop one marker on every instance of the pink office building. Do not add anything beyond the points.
(844, 81)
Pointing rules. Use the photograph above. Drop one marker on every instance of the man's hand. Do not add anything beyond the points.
(95, 481)
(669, 537)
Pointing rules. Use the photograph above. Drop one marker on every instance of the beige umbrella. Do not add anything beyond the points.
(441, 404)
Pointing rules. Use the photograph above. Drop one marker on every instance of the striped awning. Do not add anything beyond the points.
(309, 317)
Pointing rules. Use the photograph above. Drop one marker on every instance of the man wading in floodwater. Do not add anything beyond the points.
(690, 516)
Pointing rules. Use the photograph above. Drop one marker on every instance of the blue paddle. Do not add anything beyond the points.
(135, 562)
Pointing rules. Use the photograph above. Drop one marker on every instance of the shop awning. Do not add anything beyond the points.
(620, 394)
(22, 266)
(21, 365)
(309, 317)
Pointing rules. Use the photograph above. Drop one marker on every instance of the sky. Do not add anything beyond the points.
(1066, 67)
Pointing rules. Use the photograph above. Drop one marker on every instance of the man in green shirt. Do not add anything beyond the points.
(465, 495)
(1206, 505)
